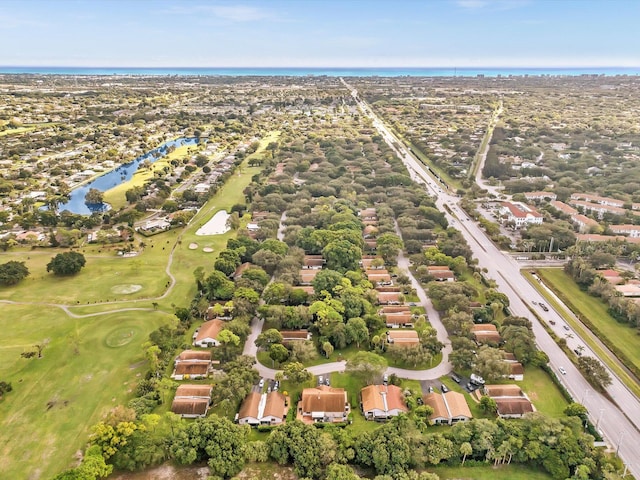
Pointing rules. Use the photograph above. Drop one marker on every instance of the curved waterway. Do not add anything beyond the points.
(115, 177)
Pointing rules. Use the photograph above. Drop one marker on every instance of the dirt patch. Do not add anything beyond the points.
(207, 249)
(193, 246)
(126, 289)
(532, 396)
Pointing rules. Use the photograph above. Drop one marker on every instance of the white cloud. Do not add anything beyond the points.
(233, 13)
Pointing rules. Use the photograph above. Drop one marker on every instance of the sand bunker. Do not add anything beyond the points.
(126, 289)
(216, 226)
(193, 246)
(207, 249)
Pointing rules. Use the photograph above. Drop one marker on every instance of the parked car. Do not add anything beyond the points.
(430, 389)
(327, 382)
(444, 388)
(544, 307)
(261, 383)
(320, 380)
(455, 378)
(577, 352)
(385, 379)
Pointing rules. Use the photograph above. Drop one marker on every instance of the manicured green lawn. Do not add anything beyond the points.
(353, 387)
(55, 399)
(542, 392)
(489, 472)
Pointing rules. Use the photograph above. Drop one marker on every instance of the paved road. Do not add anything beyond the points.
(620, 422)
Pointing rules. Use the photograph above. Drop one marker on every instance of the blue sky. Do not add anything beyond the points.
(320, 33)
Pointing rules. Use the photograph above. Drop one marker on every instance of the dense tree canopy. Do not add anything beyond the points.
(12, 272)
(67, 263)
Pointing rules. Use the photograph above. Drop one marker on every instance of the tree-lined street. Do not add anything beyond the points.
(620, 421)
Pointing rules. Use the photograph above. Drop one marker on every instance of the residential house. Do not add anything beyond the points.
(513, 407)
(290, 336)
(403, 337)
(307, 275)
(323, 404)
(263, 409)
(192, 364)
(520, 214)
(397, 316)
(192, 401)
(241, 269)
(486, 333)
(381, 402)
(389, 298)
(510, 399)
(205, 336)
(313, 262)
(631, 289)
(611, 276)
(441, 273)
(450, 407)
(378, 276)
(367, 262)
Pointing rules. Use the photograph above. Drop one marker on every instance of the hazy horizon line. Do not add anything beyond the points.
(337, 67)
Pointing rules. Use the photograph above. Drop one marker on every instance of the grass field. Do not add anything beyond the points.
(489, 472)
(45, 419)
(542, 392)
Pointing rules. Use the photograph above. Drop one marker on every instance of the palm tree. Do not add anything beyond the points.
(465, 449)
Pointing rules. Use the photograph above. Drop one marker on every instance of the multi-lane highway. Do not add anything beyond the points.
(618, 421)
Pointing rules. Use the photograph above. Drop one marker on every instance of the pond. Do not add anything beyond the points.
(115, 177)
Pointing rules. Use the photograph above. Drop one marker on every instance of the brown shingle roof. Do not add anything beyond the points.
(323, 399)
(503, 390)
(513, 406)
(194, 391)
(372, 398)
(395, 309)
(457, 404)
(249, 407)
(275, 405)
(435, 401)
(187, 406)
(189, 368)
(203, 355)
(210, 329)
(484, 327)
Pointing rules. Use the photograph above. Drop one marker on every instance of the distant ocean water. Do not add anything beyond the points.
(331, 72)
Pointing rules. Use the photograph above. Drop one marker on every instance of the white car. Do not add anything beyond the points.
(562, 370)
(261, 383)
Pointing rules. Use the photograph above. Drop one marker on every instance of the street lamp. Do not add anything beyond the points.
(599, 418)
(620, 441)
(584, 396)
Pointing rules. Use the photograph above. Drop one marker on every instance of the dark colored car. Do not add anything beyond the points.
(455, 378)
